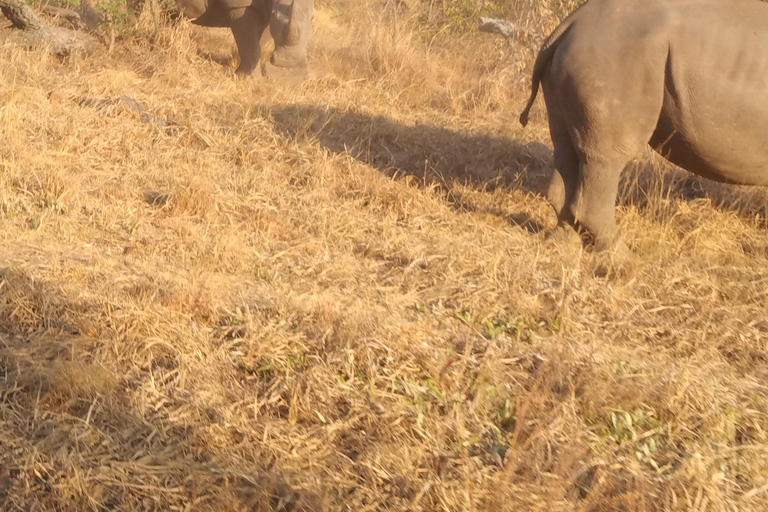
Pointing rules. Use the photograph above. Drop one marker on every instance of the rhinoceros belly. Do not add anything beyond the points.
(714, 121)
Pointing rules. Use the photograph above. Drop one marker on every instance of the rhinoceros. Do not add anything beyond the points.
(289, 21)
(687, 77)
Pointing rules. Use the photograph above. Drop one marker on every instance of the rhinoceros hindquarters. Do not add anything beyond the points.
(620, 74)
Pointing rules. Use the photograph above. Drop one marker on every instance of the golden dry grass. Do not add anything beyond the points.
(339, 295)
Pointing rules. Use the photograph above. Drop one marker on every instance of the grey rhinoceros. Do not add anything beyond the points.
(688, 77)
(289, 21)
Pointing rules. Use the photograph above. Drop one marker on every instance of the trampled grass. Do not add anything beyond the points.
(339, 295)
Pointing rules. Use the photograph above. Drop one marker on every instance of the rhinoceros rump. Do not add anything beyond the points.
(688, 77)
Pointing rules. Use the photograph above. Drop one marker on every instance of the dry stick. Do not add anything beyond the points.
(67, 14)
(146, 116)
(502, 27)
(63, 41)
(505, 29)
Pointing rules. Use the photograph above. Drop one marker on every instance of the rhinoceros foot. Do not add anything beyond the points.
(289, 57)
(286, 76)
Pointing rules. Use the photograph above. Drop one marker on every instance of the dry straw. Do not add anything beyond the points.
(339, 295)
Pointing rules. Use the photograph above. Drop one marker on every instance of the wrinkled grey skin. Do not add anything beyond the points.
(688, 77)
(289, 21)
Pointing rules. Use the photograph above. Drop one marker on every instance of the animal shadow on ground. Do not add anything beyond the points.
(657, 188)
(66, 413)
(220, 58)
(433, 155)
(440, 156)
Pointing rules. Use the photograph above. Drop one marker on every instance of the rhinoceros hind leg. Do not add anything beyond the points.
(602, 158)
(594, 204)
(291, 27)
(289, 57)
(562, 185)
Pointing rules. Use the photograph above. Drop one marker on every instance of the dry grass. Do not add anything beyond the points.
(340, 296)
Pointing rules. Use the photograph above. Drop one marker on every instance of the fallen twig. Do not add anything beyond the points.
(146, 116)
(502, 27)
(66, 14)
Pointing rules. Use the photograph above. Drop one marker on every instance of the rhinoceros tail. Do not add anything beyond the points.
(545, 55)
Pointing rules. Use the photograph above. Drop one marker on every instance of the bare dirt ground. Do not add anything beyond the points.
(339, 296)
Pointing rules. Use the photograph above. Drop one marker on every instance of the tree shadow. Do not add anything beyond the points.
(73, 440)
(432, 155)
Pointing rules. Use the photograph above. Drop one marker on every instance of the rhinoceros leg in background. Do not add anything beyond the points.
(247, 30)
(248, 20)
(291, 27)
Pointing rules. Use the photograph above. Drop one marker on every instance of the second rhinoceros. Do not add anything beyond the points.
(289, 21)
(688, 77)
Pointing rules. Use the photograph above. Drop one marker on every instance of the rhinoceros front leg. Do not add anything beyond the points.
(247, 30)
(291, 27)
